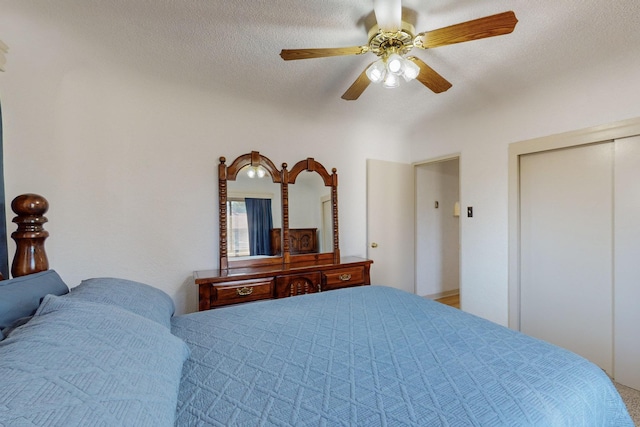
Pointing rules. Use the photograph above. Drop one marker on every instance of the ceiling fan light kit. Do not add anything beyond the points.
(391, 39)
(388, 69)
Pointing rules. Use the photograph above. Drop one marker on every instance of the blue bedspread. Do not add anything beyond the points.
(376, 356)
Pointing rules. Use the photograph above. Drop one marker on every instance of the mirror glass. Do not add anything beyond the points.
(254, 210)
(310, 215)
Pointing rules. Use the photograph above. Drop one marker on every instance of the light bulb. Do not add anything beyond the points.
(261, 172)
(411, 70)
(251, 172)
(391, 81)
(376, 71)
(394, 63)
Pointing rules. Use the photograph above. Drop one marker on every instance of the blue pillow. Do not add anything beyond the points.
(21, 296)
(83, 363)
(136, 297)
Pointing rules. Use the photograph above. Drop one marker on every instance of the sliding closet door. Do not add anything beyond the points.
(566, 249)
(627, 262)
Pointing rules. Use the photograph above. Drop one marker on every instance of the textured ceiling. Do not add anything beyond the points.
(234, 46)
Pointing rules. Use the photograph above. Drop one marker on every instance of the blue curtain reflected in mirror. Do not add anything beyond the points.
(4, 256)
(260, 223)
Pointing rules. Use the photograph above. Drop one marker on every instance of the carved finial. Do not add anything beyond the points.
(284, 166)
(222, 159)
(30, 205)
(334, 170)
(30, 236)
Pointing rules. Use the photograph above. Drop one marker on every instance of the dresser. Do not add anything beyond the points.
(219, 288)
(301, 241)
(298, 264)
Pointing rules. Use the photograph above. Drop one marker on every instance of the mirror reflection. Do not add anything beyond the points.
(253, 211)
(310, 215)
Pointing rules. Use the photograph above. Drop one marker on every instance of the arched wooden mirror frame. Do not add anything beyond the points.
(330, 180)
(283, 177)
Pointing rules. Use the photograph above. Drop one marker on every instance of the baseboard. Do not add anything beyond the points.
(442, 294)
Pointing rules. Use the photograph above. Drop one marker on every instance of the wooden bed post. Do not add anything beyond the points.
(30, 254)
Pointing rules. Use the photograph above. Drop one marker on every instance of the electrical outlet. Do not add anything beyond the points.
(469, 211)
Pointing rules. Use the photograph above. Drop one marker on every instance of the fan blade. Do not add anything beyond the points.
(290, 54)
(429, 77)
(388, 14)
(356, 89)
(489, 26)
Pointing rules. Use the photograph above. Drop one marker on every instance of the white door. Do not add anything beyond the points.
(390, 223)
(566, 266)
(627, 262)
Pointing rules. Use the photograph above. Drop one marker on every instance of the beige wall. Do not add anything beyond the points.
(129, 162)
(606, 93)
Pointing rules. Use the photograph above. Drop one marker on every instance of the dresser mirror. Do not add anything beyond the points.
(249, 178)
(311, 221)
(270, 216)
(307, 218)
(254, 208)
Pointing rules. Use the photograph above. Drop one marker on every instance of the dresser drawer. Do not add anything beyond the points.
(297, 284)
(218, 288)
(242, 291)
(342, 278)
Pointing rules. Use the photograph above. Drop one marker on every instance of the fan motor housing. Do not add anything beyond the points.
(380, 42)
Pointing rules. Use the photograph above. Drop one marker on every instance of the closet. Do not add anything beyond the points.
(579, 252)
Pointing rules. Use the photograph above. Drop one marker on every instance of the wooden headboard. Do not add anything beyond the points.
(30, 256)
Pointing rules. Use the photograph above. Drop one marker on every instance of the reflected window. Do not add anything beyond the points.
(237, 228)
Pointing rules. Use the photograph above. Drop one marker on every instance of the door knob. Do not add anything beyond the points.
(374, 245)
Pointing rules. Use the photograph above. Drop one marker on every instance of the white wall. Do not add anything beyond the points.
(129, 162)
(606, 93)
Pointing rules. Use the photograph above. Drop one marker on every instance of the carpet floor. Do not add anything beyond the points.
(631, 398)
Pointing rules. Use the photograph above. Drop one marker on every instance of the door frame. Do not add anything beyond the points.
(586, 136)
(415, 165)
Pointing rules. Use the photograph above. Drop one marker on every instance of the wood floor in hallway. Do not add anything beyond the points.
(452, 300)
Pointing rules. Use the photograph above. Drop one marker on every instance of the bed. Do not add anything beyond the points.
(111, 352)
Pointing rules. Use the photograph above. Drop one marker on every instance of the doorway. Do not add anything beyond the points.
(408, 251)
(437, 247)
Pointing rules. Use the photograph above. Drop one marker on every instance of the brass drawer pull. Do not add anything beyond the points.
(244, 291)
(344, 277)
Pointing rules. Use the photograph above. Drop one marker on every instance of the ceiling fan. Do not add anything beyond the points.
(391, 39)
